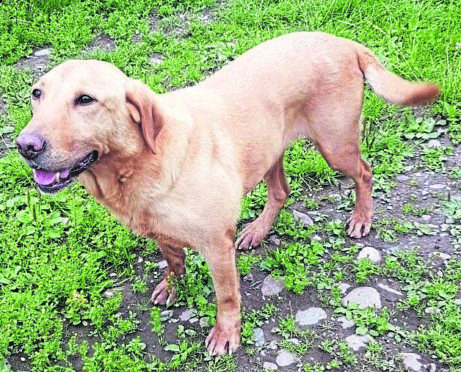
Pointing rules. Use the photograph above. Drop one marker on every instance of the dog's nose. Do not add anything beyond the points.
(30, 145)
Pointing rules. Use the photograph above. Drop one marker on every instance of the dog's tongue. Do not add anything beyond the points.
(47, 178)
(44, 178)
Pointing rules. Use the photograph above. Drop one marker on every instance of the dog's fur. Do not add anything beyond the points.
(174, 167)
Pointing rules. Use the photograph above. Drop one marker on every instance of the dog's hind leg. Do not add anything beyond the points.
(164, 293)
(347, 159)
(278, 191)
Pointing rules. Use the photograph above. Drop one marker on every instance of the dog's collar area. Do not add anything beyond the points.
(52, 182)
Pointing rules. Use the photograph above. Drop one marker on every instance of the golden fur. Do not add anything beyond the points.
(174, 167)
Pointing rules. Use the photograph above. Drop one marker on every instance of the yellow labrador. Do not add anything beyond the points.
(174, 167)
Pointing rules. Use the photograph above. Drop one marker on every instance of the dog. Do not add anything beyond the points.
(174, 167)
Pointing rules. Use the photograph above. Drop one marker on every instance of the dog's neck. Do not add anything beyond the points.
(127, 182)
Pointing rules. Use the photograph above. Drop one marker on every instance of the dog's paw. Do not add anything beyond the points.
(221, 341)
(163, 295)
(251, 237)
(358, 226)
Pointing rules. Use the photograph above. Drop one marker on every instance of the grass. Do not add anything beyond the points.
(59, 255)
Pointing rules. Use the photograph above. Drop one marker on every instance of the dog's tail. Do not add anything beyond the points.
(393, 88)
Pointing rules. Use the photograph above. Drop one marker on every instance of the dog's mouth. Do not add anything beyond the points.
(52, 182)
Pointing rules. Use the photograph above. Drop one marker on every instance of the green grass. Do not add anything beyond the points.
(58, 255)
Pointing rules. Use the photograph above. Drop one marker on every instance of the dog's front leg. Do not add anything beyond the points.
(225, 335)
(164, 293)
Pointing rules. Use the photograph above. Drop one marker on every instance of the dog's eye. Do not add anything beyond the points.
(36, 93)
(84, 99)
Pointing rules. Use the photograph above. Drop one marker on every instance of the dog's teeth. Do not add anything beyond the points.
(58, 176)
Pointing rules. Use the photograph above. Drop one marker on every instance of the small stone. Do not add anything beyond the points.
(411, 362)
(23, 359)
(42, 52)
(272, 345)
(343, 287)
(186, 315)
(268, 366)
(156, 59)
(162, 265)
(190, 332)
(345, 323)
(193, 320)
(284, 358)
(437, 186)
(441, 255)
(431, 367)
(294, 341)
(402, 177)
(112, 275)
(371, 253)
(433, 143)
(166, 314)
(432, 310)
(108, 293)
(274, 240)
(204, 322)
(311, 316)
(272, 286)
(258, 336)
(364, 297)
(140, 260)
(356, 342)
(304, 218)
(389, 289)
(248, 278)
(426, 218)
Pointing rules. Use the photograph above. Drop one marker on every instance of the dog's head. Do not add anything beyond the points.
(84, 111)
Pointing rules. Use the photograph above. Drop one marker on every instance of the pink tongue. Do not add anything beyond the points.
(65, 174)
(44, 178)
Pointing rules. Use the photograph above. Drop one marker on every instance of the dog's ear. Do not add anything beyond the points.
(144, 110)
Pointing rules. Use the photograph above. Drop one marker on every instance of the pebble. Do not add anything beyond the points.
(437, 186)
(304, 218)
(389, 289)
(402, 177)
(433, 143)
(343, 287)
(204, 322)
(426, 218)
(371, 253)
(166, 314)
(345, 323)
(268, 366)
(274, 240)
(272, 286)
(411, 361)
(108, 293)
(364, 297)
(311, 316)
(186, 315)
(162, 265)
(258, 336)
(356, 342)
(441, 255)
(284, 358)
(156, 59)
(42, 52)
